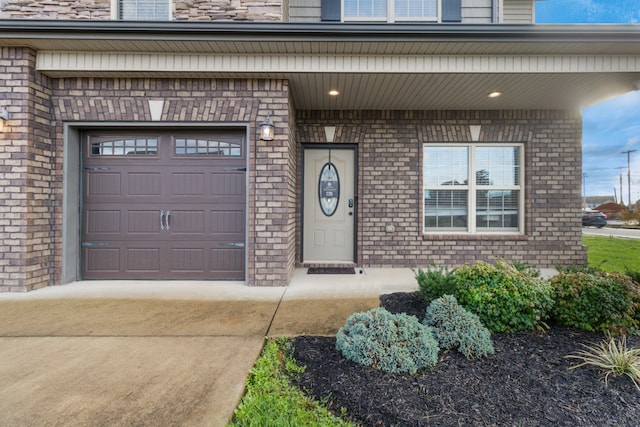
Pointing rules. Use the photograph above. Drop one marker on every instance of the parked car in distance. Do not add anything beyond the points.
(593, 218)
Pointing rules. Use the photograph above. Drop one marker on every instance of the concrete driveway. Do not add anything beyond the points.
(158, 353)
(126, 362)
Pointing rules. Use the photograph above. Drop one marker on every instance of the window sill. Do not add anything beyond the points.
(474, 237)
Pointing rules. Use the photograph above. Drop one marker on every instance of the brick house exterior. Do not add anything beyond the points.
(56, 92)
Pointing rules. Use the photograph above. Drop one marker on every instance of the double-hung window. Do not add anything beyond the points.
(144, 10)
(473, 188)
(390, 10)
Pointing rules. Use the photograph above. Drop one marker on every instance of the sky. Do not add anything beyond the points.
(613, 126)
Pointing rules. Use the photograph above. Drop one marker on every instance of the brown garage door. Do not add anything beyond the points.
(164, 206)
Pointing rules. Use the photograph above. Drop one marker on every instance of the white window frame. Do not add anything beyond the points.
(471, 187)
(391, 18)
(115, 11)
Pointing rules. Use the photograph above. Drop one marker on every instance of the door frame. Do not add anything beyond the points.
(354, 148)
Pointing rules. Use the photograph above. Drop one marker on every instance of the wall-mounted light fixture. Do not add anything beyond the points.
(267, 129)
(4, 116)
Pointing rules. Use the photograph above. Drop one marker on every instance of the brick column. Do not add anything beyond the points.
(272, 215)
(26, 164)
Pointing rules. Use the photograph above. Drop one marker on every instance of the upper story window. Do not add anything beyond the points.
(390, 10)
(143, 10)
(473, 188)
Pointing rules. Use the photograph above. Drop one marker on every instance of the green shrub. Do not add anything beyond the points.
(453, 326)
(595, 302)
(635, 275)
(395, 343)
(580, 269)
(526, 268)
(435, 282)
(504, 298)
(630, 217)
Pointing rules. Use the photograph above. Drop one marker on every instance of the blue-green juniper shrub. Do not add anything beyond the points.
(394, 343)
(455, 327)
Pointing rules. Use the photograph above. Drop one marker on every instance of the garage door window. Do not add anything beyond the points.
(207, 147)
(125, 147)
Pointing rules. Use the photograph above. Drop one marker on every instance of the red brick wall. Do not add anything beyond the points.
(390, 183)
(27, 232)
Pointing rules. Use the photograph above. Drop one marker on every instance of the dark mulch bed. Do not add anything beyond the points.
(526, 383)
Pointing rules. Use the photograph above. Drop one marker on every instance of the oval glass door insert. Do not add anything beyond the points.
(329, 189)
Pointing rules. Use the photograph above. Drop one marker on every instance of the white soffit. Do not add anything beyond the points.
(384, 82)
(90, 62)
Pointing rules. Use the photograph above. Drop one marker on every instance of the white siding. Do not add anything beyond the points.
(518, 12)
(477, 11)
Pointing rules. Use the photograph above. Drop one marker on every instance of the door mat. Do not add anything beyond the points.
(331, 270)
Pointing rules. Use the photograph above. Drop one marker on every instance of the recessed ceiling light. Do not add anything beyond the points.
(334, 92)
(494, 94)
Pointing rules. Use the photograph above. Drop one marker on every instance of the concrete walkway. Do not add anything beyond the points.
(159, 353)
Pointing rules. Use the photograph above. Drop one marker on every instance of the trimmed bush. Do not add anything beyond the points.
(435, 282)
(395, 343)
(504, 298)
(635, 275)
(601, 301)
(526, 268)
(579, 269)
(453, 326)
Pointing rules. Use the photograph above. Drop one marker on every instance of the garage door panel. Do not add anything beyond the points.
(144, 184)
(143, 222)
(187, 222)
(187, 260)
(103, 222)
(187, 184)
(229, 259)
(227, 184)
(101, 260)
(103, 184)
(127, 232)
(143, 260)
(227, 222)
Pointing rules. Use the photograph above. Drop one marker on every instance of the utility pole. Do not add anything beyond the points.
(621, 198)
(628, 153)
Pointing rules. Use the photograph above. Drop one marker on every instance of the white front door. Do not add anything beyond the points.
(329, 205)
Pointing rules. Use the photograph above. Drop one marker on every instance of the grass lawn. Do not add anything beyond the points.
(272, 401)
(613, 254)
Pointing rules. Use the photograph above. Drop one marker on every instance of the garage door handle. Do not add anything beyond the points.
(162, 220)
(167, 223)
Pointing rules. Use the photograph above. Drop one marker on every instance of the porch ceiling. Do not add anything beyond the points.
(374, 67)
